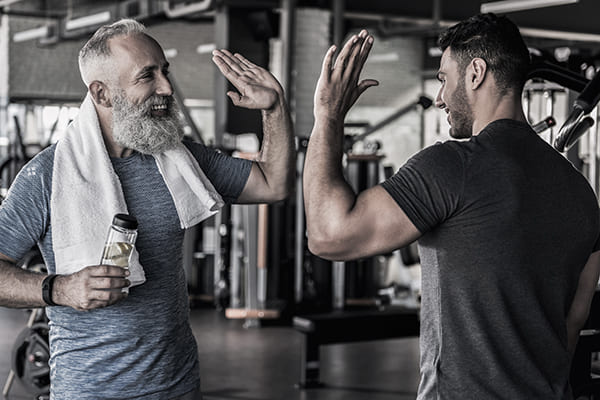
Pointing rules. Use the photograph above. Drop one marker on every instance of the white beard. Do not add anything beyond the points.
(135, 128)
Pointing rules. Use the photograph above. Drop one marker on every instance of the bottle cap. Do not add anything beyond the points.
(125, 221)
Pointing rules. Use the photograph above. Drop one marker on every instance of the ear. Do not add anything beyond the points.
(476, 73)
(100, 93)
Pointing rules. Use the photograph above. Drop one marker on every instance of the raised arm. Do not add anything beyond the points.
(341, 224)
(272, 174)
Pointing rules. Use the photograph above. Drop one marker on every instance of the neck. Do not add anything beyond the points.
(505, 107)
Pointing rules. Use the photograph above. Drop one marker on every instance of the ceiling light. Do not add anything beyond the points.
(89, 20)
(507, 6)
(31, 34)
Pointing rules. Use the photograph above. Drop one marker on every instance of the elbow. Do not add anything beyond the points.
(327, 243)
(282, 191)
(280, 194)
(317, 247)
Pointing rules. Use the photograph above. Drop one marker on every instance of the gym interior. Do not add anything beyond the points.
(273, 321)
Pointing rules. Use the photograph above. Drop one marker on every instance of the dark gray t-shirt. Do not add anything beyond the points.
(143, 346)
(507, 225)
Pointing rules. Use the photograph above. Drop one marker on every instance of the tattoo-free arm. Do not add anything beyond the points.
(272, 174)
(19, 288)
(93, 287)
(342, 225)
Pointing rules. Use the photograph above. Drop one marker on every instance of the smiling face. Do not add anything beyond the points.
(452, 97)
(145, 115)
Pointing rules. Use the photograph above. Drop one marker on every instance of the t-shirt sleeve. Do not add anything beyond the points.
(227, 174)
(24, 213)
(428, 187)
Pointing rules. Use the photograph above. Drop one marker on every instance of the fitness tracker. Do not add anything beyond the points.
(47, 289)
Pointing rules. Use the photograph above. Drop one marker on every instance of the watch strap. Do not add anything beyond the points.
(47, 286)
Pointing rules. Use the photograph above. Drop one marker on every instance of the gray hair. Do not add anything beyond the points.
(94, 56)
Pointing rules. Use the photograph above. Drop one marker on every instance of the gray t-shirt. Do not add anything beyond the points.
(143, 346)
(507, 225)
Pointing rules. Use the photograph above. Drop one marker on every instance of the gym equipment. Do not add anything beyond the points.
(578, 123)
(544, 124)
(31, 350)
(584, 380)
(249, 266)
(423, 101)
(349, 326)
(30, 356)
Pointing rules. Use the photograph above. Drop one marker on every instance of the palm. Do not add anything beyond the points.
(257, 87)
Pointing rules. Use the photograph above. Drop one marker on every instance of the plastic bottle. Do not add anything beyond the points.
(120, 242)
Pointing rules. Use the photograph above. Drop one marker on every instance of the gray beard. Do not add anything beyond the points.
(135, 128)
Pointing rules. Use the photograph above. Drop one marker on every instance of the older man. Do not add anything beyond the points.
(124, 153)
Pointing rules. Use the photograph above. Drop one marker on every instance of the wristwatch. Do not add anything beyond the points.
(47, 285)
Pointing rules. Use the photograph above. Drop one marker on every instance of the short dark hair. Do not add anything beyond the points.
(494, 39)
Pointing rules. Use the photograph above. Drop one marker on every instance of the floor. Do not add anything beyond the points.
(240, 363)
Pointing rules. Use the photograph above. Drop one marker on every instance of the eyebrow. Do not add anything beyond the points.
(151, 68)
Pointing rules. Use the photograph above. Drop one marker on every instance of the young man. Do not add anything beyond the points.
(508, 230)
(124, 153)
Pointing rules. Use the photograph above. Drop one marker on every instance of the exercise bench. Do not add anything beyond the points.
(346, 326)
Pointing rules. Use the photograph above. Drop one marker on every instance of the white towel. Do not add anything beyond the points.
(87, 193)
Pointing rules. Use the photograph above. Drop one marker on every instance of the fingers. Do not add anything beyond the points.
(108, 277)
(100, 299)
(362, 53)
(235, 64)
(353, 56)
(229, 67)
(236, 98)
(365, 84)
(96, 286)
(342, 58)
(107, 270)
(327, 62)
(244, 61)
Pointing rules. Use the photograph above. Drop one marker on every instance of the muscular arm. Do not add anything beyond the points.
(580, 308)
(272, 174)
(342, 225)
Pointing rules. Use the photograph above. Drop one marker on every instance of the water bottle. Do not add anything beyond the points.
(120, 242)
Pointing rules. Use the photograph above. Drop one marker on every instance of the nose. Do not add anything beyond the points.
(439, 102)
(163, 86)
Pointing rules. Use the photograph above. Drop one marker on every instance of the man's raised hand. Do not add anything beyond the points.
(257, 87)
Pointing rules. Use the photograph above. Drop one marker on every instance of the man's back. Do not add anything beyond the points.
(508, 225)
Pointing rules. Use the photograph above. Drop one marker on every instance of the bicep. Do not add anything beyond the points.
(255, 187)
(374, 225)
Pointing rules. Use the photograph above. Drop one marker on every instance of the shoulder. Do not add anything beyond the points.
(44, 159)
(38, 170)
(441, 158)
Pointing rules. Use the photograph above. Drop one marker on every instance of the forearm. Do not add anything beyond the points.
(20, 288)
(277, 156)
(328, 198)
(572, 338)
